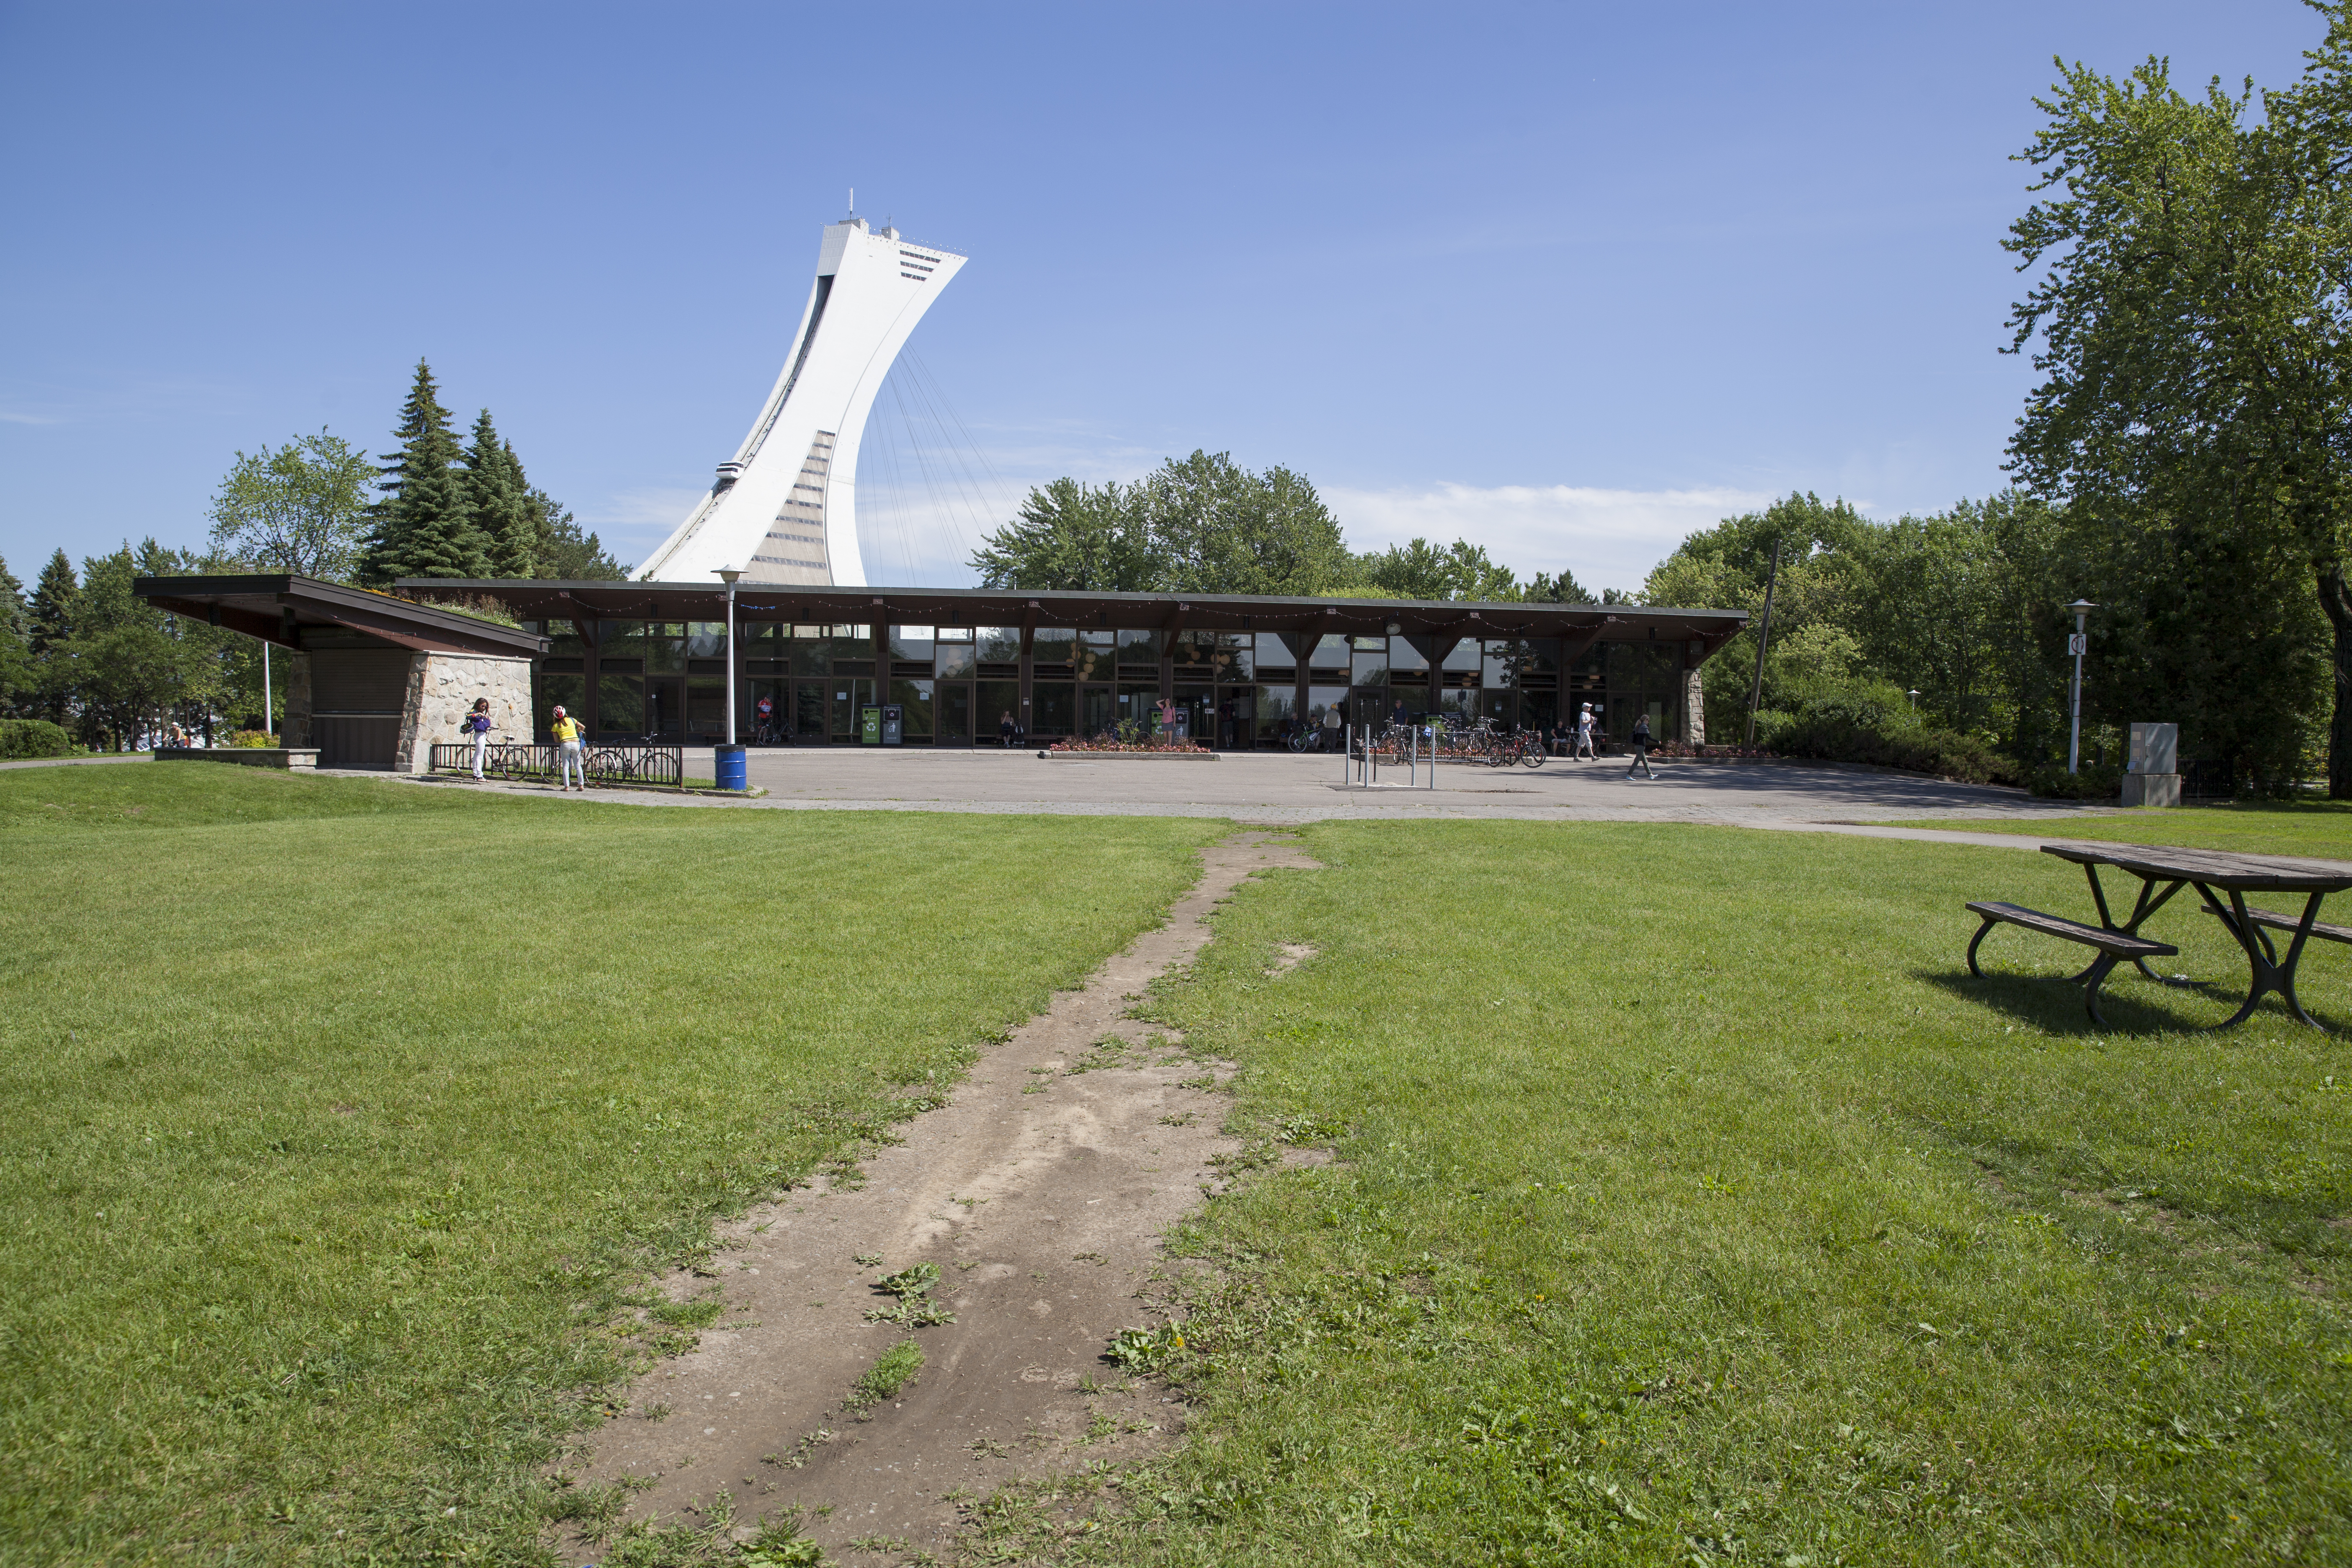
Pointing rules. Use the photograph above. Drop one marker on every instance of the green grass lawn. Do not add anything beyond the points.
(340, 1115)
(2319, 829)
(1693, 1205)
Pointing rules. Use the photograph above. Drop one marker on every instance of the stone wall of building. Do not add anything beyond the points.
(442, 689)
(1693, 708)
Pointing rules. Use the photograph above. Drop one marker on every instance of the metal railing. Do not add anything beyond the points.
(603, 765)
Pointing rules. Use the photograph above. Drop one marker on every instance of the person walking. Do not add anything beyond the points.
(1584, 735)
(568, 760)
(478, 726)
(1641, 747)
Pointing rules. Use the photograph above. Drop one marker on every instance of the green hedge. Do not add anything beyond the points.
(33, 738)
(1859, 729)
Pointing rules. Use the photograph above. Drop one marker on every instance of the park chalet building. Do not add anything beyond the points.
(648, 661)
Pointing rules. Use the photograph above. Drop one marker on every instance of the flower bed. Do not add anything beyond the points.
(1677, 749)
(1163, 748)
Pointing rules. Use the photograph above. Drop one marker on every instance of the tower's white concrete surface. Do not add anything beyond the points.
(783, 510)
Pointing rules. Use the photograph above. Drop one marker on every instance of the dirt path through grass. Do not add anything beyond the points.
(1038, 1194)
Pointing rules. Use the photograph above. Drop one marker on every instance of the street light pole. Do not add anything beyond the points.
(730, 574)
(2078, 645)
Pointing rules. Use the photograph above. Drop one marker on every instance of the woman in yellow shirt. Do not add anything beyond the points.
(568, 760)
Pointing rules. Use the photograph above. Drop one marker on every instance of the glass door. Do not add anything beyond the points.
(1097, 710)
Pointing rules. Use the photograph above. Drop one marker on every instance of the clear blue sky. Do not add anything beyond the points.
(1569, 279)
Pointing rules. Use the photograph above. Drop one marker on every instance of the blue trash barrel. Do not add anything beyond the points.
(733, 774)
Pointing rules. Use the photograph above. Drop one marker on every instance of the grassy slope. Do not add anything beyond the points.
(1700, 1207)
(332, 1105)
(2318, 828)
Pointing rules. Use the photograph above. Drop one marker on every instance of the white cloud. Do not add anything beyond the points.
(1609, 539)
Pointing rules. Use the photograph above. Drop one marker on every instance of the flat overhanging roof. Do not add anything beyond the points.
(276, 606)
(1028, 607)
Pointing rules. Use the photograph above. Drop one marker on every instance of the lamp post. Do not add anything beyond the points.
(2078, 645)
(731, 575)
(1914, 695)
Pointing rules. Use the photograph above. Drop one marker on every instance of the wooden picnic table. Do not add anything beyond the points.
(2221, 875)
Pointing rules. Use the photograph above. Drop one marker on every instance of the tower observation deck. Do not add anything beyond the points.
(783, 509)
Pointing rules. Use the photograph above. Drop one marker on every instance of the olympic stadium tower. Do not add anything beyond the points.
(784, 508)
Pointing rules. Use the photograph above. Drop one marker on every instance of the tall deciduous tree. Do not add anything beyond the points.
(423, 526)
(1201, 524)
(1073, 537)
(301, 509)
(1460, 571)
(2190, 323)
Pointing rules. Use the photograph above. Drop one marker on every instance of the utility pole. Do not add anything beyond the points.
(2078, 645)
(1763, 640)
(731, 576)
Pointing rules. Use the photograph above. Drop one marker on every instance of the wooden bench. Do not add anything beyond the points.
(2289, 923)
(2114, 947)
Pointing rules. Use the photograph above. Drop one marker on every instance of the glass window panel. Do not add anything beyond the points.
(911, 643)
(852, 642)
(953, 661)
(992, 703)
(1278, 712)
(1664, 667)
(1321, 700)
(952, 633)
(1369, 645)
(1096, 661)
(1403, 655)
(1540, 656)
(915, 697)
(955, 712)
(1457, 704)
(622, 639)
(567, 692)
(1461, 653)
(1195, 653)
(811, 657)
(808, 710)
(1498, 663)
(816, 633)
(1053, 708)
(564, 641)
(1538, 710)
(1330, 653)
(1138, 700)
(705, 705)
(619, 705)
(998, 644)
(778, 695)
(1274, 651)
(1624, 668)
(1139, 647)
(706, 639)
(1370, 666)
(1502, 707)
(1237, 657)
(1053, 647)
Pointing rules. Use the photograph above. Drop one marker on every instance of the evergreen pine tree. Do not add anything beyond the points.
(567, 554)
(423, 526)
(57, 597)
(15, 660)
(50, 621)
(502, 508)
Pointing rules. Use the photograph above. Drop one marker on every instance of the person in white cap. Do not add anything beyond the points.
(1584, 734)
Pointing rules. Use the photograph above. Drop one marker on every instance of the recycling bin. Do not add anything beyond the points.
(894, 724)
(869, 726)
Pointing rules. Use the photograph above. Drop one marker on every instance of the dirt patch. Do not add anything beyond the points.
(1289, 955)
(1039, 1192)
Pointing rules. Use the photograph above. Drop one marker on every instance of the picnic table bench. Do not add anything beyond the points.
(2224, 878)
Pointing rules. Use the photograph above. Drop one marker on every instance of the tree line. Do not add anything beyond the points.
(80, 651)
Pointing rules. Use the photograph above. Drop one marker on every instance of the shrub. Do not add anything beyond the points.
(1860, 728)
(252, 738)
(33, 738)
(2102, 781)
